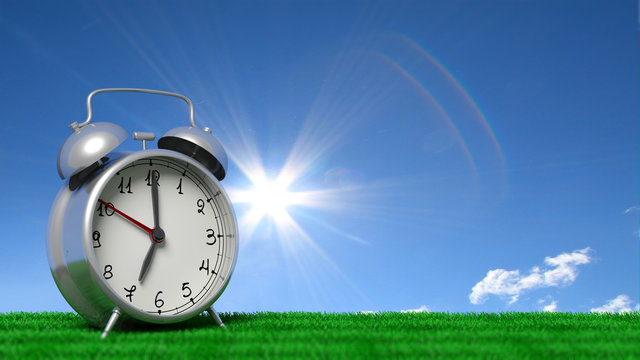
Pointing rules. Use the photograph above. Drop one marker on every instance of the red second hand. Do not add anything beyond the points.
(134, 221)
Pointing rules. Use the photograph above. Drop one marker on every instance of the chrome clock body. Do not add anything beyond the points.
(80, 274)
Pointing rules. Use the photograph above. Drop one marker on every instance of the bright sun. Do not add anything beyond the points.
(268, 198)
(271, 198)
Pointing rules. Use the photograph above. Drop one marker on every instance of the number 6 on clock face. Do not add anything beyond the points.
(164, 238)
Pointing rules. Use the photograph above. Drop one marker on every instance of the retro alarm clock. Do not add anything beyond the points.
(144, 236)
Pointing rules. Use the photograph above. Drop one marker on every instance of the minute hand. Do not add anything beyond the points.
(154, 198)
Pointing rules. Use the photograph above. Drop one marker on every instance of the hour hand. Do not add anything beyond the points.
(157, 237)
(147, 261)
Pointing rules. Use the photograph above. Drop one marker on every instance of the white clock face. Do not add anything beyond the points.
(182, 262)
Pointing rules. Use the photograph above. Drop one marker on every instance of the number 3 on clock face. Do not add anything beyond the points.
(163, 254)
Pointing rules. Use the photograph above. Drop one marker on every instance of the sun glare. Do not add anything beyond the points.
(270, 198)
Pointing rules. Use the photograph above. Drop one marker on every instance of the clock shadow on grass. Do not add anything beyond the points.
(201, 321)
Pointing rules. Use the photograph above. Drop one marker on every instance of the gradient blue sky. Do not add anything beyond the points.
(455, 155)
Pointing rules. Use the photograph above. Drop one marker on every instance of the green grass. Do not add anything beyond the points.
(332, 336)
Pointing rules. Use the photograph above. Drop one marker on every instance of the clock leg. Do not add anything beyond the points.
(215, 317)
(112, 321)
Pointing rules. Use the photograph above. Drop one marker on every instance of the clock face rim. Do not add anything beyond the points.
(87, 227)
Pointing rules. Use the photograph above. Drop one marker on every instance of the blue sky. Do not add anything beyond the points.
(442, 155)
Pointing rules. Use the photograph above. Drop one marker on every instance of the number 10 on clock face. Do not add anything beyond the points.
(164, 238)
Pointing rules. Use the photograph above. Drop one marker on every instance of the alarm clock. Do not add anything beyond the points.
(142, 236)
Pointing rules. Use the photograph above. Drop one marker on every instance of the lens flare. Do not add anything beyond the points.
(268, 197)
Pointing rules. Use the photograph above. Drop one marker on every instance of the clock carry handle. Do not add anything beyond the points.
(75, 125)
(191, 141)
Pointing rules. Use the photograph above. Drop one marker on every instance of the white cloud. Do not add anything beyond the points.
(368, 312)
(560, 270)
(423, 308)
(553, 307)
(622, 303)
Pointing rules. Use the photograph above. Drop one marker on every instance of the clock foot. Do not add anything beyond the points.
(215, 317)
(112, 321)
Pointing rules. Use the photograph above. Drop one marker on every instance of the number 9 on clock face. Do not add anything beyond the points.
(167, 254)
